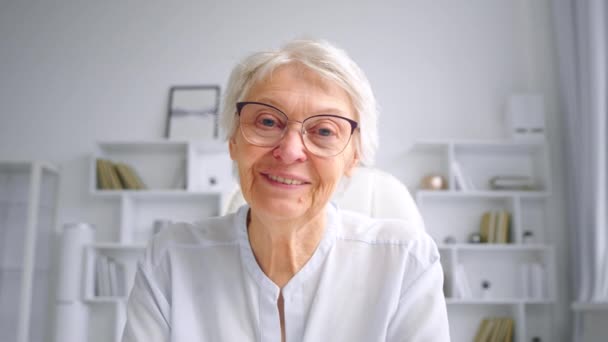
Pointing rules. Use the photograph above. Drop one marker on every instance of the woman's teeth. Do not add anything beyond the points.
(285, 180)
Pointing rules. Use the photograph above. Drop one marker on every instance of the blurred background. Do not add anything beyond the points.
(83, 78)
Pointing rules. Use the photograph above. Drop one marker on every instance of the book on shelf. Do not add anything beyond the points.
(128, 177)
(110, 277)
(495, 329)
(117, 176)
(107, 179)
(512, 182)
(495, 227)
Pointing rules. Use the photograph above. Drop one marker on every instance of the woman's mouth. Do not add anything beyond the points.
(284, 180)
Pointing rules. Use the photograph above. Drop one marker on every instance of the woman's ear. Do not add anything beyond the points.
(232, 146)
(348, 171)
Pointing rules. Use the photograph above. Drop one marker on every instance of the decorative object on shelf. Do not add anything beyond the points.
(486, 287)
(193, 112)
(495, 227)
(534, 280)
(528, 237)
(475, 238)
(449, 240)
(434, 182)
(525, 117)
(512, 182)
(462, 288)
(462, 182)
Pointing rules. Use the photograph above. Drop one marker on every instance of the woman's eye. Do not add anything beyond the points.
(268, 122)
(325, 132)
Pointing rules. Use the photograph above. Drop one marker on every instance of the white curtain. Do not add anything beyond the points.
(581, 32)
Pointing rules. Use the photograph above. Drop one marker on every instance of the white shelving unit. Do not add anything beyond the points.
(176, 175)
(28, 197)
(453, 214)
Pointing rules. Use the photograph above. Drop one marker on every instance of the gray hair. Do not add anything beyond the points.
(326, 60)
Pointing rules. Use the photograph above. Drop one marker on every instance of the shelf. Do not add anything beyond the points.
(105, 300)
(489, 145)
(590, 306)
(480, 194)
(495, 247)
(498, 301)
(155, 194)
(119, 246)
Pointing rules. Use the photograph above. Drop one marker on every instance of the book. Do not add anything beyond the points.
(495, 329)
(484, 227)
(129, 179)
(481, 334)
(107, 179)
(492, 227)
(502, 227)
(485, 330)
(512, 182)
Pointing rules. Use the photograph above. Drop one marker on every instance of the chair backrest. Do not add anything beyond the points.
(369, 191)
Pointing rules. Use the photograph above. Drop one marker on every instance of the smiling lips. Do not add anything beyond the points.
(282, 180)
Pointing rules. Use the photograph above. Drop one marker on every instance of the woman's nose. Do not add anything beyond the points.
(291, 147)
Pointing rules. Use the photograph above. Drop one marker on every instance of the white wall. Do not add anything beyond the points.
(74, 73)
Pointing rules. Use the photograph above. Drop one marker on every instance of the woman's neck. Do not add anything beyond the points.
(282, 248)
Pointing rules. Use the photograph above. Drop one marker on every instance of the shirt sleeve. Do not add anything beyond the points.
(148, 310)
(421, 314)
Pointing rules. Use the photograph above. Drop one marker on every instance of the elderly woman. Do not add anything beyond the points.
(291, 266)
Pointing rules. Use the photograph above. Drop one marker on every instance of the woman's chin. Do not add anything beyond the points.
(279, 210)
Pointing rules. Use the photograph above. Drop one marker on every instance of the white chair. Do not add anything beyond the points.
(369, 191)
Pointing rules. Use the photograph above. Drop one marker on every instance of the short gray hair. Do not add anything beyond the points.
(326, 60)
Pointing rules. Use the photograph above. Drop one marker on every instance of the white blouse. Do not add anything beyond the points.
(368, 280)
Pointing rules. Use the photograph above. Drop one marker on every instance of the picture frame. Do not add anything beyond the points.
(193, 112)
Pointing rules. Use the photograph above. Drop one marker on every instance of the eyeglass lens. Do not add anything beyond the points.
(323, 135)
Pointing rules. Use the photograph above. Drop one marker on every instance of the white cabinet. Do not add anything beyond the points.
(27, 216)
(186, 181)
(513, 279)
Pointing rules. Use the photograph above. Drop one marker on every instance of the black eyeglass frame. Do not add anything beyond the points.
(353, 124)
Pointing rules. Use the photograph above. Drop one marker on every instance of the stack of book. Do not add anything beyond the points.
(499, 329)
(117, 176)
(495, 227)
(110, 277)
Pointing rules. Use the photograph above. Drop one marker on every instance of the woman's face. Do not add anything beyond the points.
(264, 171)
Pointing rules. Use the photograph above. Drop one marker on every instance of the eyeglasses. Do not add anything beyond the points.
(323, 135)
